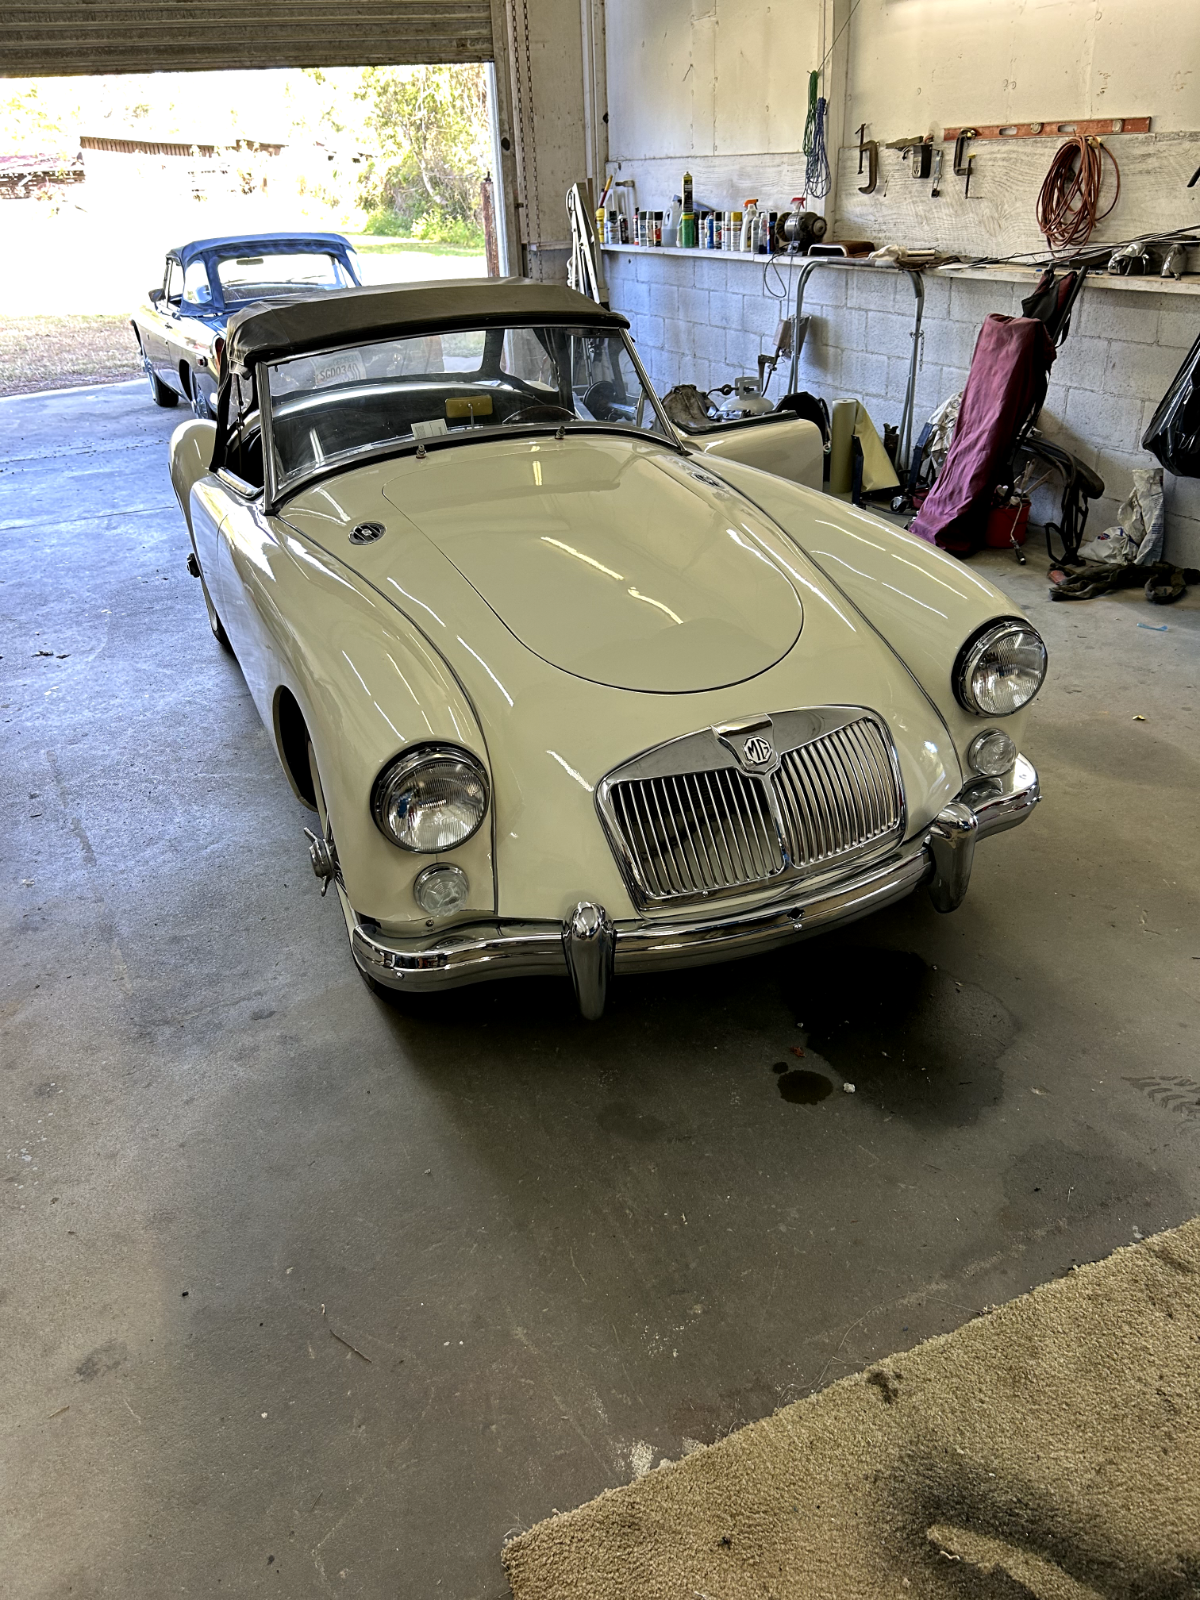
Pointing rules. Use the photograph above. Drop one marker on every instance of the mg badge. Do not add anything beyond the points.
(757, 751)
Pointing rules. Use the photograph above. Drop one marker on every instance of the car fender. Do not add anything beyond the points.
(190, 455)
(924, 603)
(368, 684)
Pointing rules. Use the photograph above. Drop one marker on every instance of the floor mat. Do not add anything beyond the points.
(1049, 1449)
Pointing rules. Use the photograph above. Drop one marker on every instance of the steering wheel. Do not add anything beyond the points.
(542, 411)
(603, 401)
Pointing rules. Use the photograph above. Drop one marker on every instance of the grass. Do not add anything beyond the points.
(377, 244)
(65, 352)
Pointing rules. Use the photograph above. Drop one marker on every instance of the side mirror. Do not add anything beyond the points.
(155, 296)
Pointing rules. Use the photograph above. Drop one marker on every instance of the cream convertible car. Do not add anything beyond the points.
(566, 697)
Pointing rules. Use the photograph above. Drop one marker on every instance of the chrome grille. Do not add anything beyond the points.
(833, 796)
(694, 832)
(838, 794)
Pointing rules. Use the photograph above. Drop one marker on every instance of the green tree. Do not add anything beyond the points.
(433, 149)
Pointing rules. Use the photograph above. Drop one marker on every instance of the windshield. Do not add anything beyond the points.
(264, 277)
(327, 409)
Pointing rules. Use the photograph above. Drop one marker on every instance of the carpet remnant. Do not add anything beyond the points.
(1049, 1450)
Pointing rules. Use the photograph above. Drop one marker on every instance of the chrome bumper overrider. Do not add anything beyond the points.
(589, 947)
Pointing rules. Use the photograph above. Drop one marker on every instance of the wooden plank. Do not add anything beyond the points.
(1100, 126)
(998, 217)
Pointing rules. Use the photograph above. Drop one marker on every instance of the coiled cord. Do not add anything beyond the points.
(1068, 205)
(810, 122)
(816, 172)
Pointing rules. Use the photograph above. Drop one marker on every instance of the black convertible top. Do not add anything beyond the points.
(354, 316)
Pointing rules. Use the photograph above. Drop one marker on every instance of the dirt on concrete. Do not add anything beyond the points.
(39, 353)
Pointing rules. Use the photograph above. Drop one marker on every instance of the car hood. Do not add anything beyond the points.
(611, 560)
(550, 736)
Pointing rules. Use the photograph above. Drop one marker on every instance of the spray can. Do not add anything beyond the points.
(733, 230)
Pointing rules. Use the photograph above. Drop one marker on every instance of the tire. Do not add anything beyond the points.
(159, 393)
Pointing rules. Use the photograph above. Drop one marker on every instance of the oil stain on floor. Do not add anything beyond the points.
(800, 1087)
(913, 1040)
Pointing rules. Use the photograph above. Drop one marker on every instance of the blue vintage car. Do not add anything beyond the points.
(180, 329)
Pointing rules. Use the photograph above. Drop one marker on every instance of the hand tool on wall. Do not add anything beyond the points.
(1098, 126)
(936, 191)
(920, 148)
(961, 169)
(870, 149)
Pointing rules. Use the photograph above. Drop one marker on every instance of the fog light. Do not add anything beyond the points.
(441, 889)
(992, 753)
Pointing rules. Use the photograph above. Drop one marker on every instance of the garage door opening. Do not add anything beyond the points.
(101, 176)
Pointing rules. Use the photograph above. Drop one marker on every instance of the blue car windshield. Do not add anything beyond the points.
(330, 408)
(280, 274)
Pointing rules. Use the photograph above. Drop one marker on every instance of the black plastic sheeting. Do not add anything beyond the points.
(1174, 432)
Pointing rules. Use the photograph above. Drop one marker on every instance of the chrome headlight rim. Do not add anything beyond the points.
(972, 653)
(403, 768)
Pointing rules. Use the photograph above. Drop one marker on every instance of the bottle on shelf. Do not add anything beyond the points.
(749, 212)
(687, 216)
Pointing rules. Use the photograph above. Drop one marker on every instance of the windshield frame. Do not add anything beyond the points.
(275, 496)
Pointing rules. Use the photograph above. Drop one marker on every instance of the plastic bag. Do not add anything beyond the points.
(1136, 537)
(1174, 432)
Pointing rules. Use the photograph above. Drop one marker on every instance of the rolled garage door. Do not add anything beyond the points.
(65, 37)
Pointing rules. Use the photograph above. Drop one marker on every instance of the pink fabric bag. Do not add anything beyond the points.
(1006, 384)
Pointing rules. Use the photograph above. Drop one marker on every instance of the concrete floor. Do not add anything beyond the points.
(302, 1296)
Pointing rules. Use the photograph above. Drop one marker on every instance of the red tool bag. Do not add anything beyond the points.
(1005, 387)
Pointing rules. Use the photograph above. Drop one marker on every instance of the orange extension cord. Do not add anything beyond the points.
(1069, 200)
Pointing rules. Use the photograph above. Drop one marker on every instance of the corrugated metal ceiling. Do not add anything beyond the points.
(65, 37)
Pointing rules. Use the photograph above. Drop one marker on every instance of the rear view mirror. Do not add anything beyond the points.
(155, 296)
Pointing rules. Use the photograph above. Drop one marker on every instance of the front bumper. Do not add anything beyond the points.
(589, 948)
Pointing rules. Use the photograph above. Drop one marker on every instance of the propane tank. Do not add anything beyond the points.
(747, 400)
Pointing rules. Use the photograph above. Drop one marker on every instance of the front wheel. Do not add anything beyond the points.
(159, 392)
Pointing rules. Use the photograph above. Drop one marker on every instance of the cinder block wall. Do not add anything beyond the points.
(703, 319)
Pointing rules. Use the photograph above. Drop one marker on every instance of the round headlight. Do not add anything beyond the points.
(441, 889)
(1000, 669)
(991, 754)
(431, 799)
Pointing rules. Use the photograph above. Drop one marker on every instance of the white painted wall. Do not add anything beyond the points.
(718, 87)
(921, 65)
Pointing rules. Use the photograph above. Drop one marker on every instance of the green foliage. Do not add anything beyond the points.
(386, 224)
(28, 123)
(434, 149)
